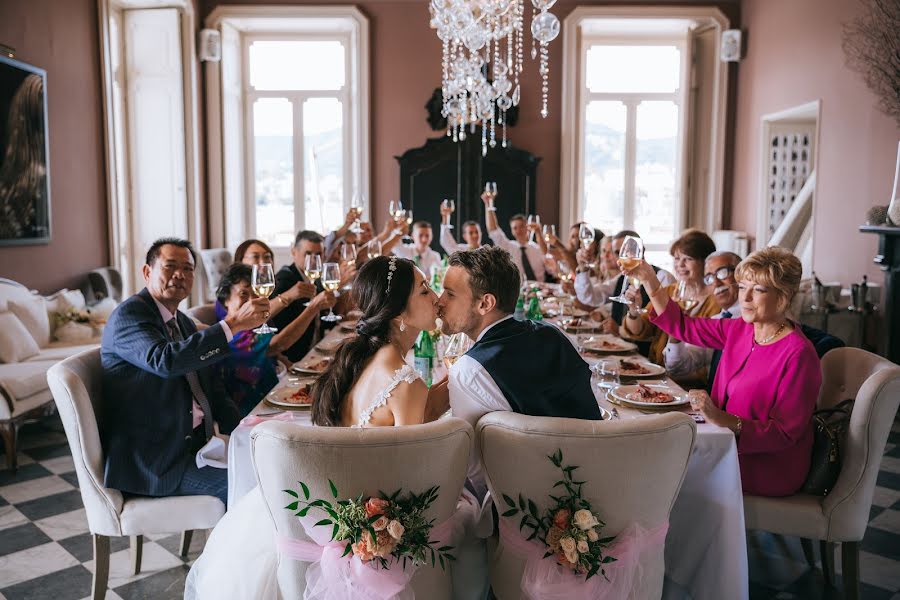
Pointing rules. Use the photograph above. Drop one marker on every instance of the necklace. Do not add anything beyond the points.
(771, 337)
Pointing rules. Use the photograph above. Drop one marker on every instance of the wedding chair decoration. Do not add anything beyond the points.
(555, 549)
(362, 462)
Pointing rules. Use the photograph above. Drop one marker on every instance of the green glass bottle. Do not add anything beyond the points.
(519, 313)
(534, 307)
(424, 356)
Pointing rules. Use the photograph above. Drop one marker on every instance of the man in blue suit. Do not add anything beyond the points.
(160, 400)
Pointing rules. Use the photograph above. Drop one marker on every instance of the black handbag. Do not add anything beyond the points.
(830, 429)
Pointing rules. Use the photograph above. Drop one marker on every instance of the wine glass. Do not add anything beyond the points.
(549, 232)
(533, 220)
(490, 188)
(348, 254)
(449, 205)
(684, 296)
(263, 284)
(356, 205)
(395, 209)
(458, 345)
(312, 268)
(331, 281)
(373, 248)
(607, 372)
(586, 235)
(630, 256)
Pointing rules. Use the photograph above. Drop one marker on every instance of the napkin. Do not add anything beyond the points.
(213, 454)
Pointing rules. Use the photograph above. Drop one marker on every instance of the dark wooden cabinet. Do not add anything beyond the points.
(888, 258)
(443, 168)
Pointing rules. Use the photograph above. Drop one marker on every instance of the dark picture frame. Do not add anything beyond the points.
(24, 155)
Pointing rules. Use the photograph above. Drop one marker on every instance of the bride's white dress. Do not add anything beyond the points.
(239, 560)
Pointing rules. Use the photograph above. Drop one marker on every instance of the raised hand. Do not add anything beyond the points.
(252, 313)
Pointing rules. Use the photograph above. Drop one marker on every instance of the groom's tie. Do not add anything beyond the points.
(526, 266)
(194, 384)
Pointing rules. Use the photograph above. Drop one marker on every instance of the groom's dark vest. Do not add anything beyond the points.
(537, 369)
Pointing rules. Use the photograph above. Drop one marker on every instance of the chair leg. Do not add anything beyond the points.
(8, 432)
(137, 553)
(808, 553)
(850, 569)
(101, 567)
(186, 542)
(826, 549)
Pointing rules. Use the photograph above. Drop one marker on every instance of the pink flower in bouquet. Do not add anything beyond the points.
(585, 520)
(396, 529)
(561, 558)
(376, 506)
(582, 546)
(380, 523)
(554, 534)
(384, 544)
(364, 548)
(593, 535)
(561, 518)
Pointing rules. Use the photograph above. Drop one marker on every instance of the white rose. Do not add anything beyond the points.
(396, 529)
(584, 520)
(593, 535)
(582, 546)
(568, 545)
(380, 524)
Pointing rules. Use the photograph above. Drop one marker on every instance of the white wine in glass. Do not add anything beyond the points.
(684, 297)
(373, 248)
(630, 256)
(458, 345)
(331, 281)
(532, 220)
(263, 284)
(312, 269)
(586, 235)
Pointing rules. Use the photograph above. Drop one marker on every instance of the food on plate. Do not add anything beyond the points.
(631, 367)
(645, 394)
(319, 365)
(301, 396)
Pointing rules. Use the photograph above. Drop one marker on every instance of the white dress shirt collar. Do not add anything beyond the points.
(163, 311)
(485, 330)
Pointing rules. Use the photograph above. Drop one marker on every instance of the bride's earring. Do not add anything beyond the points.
(402, 325)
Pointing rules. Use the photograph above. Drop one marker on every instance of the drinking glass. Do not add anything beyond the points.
(630, 256)
(490, 188)
(395, 208)
(532, 220)
(684, 296)
(348, 257)
(356, 205)
(607, 372)
(450, 205)
(331, 281)
(586, 235)
(458, 345)
(312, 268)
(549, 232)
(263, 284)
(373, 248)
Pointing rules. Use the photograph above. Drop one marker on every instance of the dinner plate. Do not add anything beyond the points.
(596, 345)
(280, 395)
(654, 370)
(328, 346)
(620, 393)
(304, 366)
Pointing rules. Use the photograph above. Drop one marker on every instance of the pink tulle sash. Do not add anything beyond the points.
(254, 420)
(332, 576)
(545, 579)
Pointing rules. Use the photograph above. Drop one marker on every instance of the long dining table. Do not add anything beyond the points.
(706, 549)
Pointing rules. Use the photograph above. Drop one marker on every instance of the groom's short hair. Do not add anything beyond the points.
(491, 271)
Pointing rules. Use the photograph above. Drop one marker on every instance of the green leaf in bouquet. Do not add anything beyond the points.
(303, 511)
(324, 522)
(292, 493)
(608, 559)
(511, 512)
(547, 555)
(305, 489)
(593, 570)
(445, 548)
(532, 508)
(347, 549)
(334, 491)
(334, 531)
(606, 540)
(372, 519)
(559, 483)
(521, 502)
(292, 506)
(441, 559)
(509, 501)
(523, 521)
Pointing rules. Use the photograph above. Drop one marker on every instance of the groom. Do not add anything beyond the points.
(521, 366)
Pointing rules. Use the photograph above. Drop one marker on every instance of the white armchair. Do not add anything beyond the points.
(843, 515)
(360, 461)
(633, 468)
(76, 386)
(214, 261)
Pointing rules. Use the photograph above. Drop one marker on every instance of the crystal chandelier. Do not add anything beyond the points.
(482, 59)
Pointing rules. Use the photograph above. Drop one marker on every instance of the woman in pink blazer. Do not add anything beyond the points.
(768, 380)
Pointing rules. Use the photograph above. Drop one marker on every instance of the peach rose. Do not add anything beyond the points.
(384, 544)
(364, 548)
(593, 535)
(584, 520)
(396, 529)
(572, 557)
(561, 558)
(376, 506)
(561, 518)
(380, 523)
(554, 534)
(582, 546)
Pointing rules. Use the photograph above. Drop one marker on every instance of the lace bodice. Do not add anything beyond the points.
(404, 374)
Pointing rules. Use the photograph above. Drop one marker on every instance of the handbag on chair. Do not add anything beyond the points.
(830, 426)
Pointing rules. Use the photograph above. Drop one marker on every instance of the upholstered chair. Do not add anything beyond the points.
(76, 386)
(215, 261)
(360, 461)
(843, 515)
(204, 314)
(633, 471)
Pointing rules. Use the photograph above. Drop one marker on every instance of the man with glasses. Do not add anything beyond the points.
(718, 276)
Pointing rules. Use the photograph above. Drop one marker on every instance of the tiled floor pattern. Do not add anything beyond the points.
(46, 550)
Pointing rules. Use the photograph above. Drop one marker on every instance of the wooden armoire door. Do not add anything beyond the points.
(443, 168)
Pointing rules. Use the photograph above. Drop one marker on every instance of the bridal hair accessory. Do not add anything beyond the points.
(392, 266)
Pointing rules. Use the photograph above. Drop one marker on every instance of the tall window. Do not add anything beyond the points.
(631, 110)
(298, 104)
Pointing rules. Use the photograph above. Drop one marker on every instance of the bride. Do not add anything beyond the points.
(239, 560)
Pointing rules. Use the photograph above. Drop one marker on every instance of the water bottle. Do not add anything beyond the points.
(423, 356)
(519, 313)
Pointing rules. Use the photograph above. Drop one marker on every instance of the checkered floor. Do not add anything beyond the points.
(46, 551)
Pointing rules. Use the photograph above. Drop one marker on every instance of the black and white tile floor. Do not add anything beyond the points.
(46, 551)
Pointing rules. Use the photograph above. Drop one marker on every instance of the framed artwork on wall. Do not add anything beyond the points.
(24, 155)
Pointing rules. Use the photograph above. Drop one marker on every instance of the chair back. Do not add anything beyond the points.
(76, 384)
(215, 261)
(360, 461)
(874, 382)
(205, 313)
(633, 470)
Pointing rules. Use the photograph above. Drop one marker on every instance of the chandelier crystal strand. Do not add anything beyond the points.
(480, 76)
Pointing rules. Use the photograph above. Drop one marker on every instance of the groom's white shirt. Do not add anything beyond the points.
(473, 393)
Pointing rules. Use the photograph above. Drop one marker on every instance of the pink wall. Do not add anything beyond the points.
(794, 56)
(63, 39)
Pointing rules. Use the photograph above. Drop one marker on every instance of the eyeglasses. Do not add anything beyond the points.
(721, 274)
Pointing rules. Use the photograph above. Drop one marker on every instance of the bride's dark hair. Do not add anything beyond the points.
(379, 305)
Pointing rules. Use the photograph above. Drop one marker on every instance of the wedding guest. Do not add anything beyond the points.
(471, 233)
(689, 252)
(160, 400)
(420, 251)
(248, 372)
(332, 241)
(526, 255)
(768, 379)
(256, 252)
(526, 367)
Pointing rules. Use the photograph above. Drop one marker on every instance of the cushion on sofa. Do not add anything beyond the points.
(16, 344)
(25, 379)
(58, 351)
(32, 312)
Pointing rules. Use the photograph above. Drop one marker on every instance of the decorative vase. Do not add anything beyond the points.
(894, 206)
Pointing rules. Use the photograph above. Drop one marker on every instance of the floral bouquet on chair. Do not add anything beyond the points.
(569, 529)
(383, 529)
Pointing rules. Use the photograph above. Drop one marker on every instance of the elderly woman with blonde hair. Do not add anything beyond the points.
(768, 379)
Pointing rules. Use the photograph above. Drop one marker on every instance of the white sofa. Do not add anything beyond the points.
(24, 392)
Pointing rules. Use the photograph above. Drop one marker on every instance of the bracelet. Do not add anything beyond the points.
(284, 302)
(739, 426)
(492, 208)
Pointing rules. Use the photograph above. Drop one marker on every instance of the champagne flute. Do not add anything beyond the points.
(449, 205)
(263, 284)
(395, 208)
(684, 296)
(586, 235)
(312, 268)
(533, 220)
(490, 188)
(458, 345)
(348, 257)
(630, 256)
(356, 206)
(373, 248)
(331, 281)
(549, 232)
